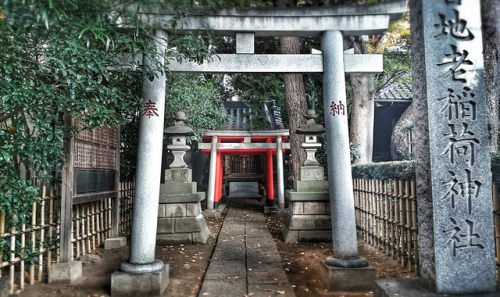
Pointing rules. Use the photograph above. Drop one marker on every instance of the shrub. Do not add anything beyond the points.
(385, 170)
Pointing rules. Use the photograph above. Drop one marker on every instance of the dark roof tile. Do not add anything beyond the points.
(240, 115)
(396, 91)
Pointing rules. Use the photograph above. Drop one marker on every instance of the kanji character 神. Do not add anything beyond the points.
(467, 189)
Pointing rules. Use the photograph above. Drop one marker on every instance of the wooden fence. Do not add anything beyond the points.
(28, 249)
(127, 193)
(386, 218)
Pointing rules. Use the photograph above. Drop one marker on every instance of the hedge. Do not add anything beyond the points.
(495, 167)
(385, 170)
(406, 169)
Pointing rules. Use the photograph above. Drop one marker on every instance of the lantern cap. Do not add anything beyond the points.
(179, 128)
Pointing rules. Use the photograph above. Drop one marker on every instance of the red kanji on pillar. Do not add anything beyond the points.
(337, 108)
(150, 109)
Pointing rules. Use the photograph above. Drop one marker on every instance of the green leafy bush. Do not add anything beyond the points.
(495, 167)
(385, 170)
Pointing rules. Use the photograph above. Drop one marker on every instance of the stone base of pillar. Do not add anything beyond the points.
(214, 213)
(124, 284)
(309, 218)
(270, 209)
(293, 236)
(4, 286)
(65, 272)
(412, 288)
(115, 243)
(179, 215)
(350, 279)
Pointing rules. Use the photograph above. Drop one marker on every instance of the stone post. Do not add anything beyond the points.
(211, 174)
(344, 237)
(453, 174)
(142, 274)
(279, 164)
(462, 235)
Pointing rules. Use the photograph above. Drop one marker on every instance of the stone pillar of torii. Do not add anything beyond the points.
(330, 23)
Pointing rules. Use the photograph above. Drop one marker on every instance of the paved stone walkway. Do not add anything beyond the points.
(246, 261)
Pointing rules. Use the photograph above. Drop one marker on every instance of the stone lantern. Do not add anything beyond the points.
(179, 214)
(178, 132)
(309, 218)
(310, 131)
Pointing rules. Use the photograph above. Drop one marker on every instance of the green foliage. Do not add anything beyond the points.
(128, 150)
(385, 170)
(495, 167)
(198, 97)
(397, 65)
(55, 58)
(256, 89)
(354, 150)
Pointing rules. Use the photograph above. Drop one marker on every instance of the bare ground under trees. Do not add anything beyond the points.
(188, 263)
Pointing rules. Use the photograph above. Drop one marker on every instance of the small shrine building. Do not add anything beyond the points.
(243, 156)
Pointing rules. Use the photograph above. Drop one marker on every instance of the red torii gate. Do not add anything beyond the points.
(267, 143)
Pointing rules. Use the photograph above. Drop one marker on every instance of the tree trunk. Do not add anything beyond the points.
(490, 15)
(401, 149)
(362, 115)
(295, 105)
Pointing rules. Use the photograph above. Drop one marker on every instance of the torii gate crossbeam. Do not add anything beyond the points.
(331, 24)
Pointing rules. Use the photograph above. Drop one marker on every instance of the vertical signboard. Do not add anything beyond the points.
(460, 161)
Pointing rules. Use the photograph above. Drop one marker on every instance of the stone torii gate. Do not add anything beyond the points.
(332, 24)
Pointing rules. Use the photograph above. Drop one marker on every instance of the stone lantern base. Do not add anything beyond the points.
(179, 216)
(309, 220)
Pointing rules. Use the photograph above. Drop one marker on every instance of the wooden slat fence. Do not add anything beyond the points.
(127, 193)
(496, 215)
(386, 218)
(28, 249)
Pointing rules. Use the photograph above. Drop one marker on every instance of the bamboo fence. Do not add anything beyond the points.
(496, 212)
(386, 218)
(27, 250)
(127, 193)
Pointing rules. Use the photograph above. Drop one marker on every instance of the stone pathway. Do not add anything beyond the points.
(246, 261)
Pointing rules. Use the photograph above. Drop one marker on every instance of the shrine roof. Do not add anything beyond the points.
(240, 116)
(395, 92)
